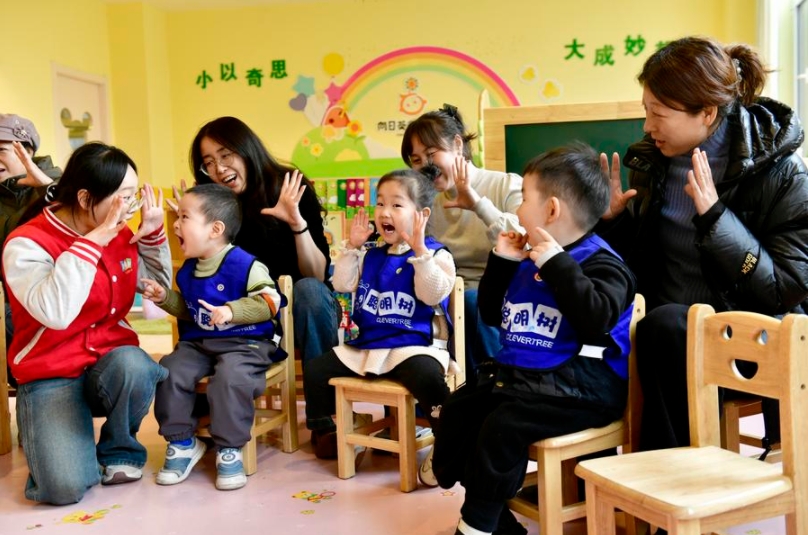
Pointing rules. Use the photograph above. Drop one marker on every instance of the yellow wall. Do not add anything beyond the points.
(37, 33)
(152, 58)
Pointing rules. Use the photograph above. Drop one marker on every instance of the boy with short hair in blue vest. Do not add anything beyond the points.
(563, 306)
(227, 309)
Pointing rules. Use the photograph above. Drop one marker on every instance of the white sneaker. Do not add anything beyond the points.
(115, 474)
(179, 462)
(425, 473)
(230, 469)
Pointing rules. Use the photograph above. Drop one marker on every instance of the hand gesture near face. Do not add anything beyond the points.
(360, 230)
(544, 242)
(35, 177)
(220, 315)
(151, 211)
(153, 291)
(287, 209)
(700, 185)
(512, 244)
(467, 198)
(416, 241)
(112, 225)
(619, 199)
(178, 193)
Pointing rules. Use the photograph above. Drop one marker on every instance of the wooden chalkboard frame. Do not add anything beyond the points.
(494, 121)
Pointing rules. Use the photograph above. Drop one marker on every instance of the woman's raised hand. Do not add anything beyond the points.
(417, 240)
(512, 244)
(34, 177)
(467, 198)
(151, 211)
(178, 193)
(700, 185)
(287, 209)
(112, 225)
(360, 230)
(619, 198)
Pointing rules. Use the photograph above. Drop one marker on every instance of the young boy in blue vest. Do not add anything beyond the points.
(563, 306)
(227, 309)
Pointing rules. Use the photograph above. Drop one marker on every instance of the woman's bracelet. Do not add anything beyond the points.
(296, 232)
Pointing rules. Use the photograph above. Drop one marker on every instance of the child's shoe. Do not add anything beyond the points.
(230, 469)
(179, 461)
(425, 473)
(115, 474)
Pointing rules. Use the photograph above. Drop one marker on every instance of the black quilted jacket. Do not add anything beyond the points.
(753, 243)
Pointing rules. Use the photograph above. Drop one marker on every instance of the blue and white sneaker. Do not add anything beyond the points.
(230, 469)
(179, 462)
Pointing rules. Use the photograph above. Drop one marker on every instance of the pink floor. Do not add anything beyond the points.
(290, 493)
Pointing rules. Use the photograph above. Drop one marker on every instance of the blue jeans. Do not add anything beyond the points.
(317, 314)
(55, 418)
(482, 340)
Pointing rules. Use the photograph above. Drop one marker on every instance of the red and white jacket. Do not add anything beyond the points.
(69, 297)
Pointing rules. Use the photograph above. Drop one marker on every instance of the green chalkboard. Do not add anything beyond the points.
(524, 141)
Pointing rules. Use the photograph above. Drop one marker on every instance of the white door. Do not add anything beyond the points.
(81, 107)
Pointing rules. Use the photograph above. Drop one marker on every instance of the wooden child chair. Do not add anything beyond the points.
(401, 421)
(703, 488)
(556, 457)
(280, 379)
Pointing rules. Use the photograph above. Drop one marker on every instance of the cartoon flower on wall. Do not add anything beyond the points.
(316, 150)
(330, 133)
(305, 141)
(354, 128)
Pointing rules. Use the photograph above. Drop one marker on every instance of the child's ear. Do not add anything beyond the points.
(426, 211)
(458, 144)
(217, 229)
(84, 199)
(552, 210)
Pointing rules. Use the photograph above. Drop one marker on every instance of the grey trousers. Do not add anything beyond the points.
(236, 367)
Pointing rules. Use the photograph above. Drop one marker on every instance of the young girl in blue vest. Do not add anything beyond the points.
(563, 308)
(227, 308)
(402, 291)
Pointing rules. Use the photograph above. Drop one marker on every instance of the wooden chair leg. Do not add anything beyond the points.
(346, 454)
(250, 454)
(731, 427)
(599, 514)
(408, 458)
(550, 499)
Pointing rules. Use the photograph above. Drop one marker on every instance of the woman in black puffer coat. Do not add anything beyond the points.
(717, 211)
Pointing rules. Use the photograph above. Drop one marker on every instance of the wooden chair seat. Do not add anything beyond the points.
(688, 483)
(402, 411)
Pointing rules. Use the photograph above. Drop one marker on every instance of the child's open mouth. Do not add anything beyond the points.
(388, 228)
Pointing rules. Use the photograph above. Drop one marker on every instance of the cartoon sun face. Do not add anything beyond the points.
(411, 103)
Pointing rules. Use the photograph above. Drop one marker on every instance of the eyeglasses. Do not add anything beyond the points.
(210, 166)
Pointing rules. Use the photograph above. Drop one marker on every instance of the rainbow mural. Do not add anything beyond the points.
(430, 59)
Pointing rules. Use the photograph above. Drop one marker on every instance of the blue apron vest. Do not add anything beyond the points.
(534, 333)
(229, 283)
(385, 309)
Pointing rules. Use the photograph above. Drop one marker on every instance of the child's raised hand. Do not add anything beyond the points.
(360, 230)
(467, 198)
(544, 242)
(512, 244)
(151, 212)
(178, 193)
(112, 225)
(287, 209)
(153, 291)
(417, 240)
(618, 199)
(220, 315)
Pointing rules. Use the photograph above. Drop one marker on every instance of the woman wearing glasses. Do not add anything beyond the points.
(282, 223)
(472, 207)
